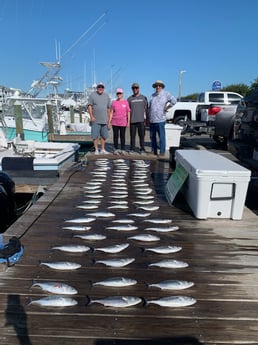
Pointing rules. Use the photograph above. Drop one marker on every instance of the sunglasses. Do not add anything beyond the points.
(119, 93)
(100, 87)
(158, 85)
(135, 87)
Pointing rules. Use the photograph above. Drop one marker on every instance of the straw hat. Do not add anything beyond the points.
(158, 82)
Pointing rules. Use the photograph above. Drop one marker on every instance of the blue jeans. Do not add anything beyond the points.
(158, 128)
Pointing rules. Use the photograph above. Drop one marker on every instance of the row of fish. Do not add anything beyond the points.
(82, 227)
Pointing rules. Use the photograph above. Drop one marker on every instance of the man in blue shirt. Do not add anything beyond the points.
(159, 103)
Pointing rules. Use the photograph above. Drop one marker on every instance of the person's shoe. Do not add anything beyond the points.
(131, 152)
(142, 152)
(96, 152)
(103, 152)
(162, 155)
(116, 152)
(123, 152)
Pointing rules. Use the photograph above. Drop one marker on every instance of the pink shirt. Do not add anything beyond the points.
(120, 110)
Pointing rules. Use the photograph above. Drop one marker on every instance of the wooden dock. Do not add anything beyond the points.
(221, 253)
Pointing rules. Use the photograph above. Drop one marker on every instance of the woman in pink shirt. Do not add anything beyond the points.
(119, 119)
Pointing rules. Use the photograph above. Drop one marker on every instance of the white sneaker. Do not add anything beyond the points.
(103, 152)
(96, 152)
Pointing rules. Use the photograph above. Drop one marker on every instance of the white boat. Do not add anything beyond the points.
(38, 156)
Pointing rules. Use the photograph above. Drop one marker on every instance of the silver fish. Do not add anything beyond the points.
(144, 202)
(146, 197)
(116, 282)
(121, 192)
(116, 262)
(173, 301)
(170, 264)
(56, 288)
(117, 248)
(87, 207)
(62, 265)
(164, 249)
(172, 285)
(77, 228)
(81, 220)
(92, 201)
(118, 301)
(55, 301)
(139, 214)
(144, 237)
(118, 207)
(119, 196)
(148, 208)
(101, 214)
(141, 185)
(94, 183)
(96, 191)
(119, 188)
(123, 221)
(158, 221)
(94, 188)
(91, 237)
(160, 229)
(114, 184)
(72, 248)
(95, 196)
(127, 227)
(121, 202)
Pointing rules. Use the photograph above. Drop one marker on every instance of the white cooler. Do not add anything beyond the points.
(215, 187)
(173, 134)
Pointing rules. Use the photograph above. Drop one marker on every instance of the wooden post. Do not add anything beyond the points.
(18, 119)
(50, 118)
(71, 113)
(80, 112)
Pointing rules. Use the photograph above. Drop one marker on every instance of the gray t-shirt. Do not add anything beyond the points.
(138, 106)
(100, 103)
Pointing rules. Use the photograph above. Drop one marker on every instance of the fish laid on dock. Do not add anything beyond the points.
(91, 237)
(56, 288)
(126, 227)
(62, 265)
(160, 229)
(55, 301)
(116, 282)
(173, 301)
(169, 264)
(117, 301)
(144, 238)
(77, 228)
(116, 248)
(172, 285)
(116, 262)
(81, 220)
(72, 248)
(164, 249)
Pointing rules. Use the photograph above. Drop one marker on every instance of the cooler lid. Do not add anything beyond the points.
(207, 163)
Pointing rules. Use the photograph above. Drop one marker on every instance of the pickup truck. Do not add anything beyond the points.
(193, 116)
(244, 144)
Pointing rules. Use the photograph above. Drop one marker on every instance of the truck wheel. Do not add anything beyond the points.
(181, 121)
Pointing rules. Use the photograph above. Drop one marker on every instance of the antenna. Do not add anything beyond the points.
(85, 32)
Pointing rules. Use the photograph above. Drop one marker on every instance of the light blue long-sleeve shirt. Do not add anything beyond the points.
(157, 105)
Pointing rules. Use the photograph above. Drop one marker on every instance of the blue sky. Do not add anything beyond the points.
(121, 42)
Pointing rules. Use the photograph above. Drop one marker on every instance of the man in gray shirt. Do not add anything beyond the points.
(99, 104)
(139, 106)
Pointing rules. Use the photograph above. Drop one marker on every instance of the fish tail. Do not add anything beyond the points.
(147, 285)
(91, 284)
(88, 300)
(145, 301)
(143, 249)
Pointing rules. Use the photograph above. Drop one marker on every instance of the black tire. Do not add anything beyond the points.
(220, 140)
(181, 121)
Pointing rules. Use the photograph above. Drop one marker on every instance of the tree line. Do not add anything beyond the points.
(241, 88)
